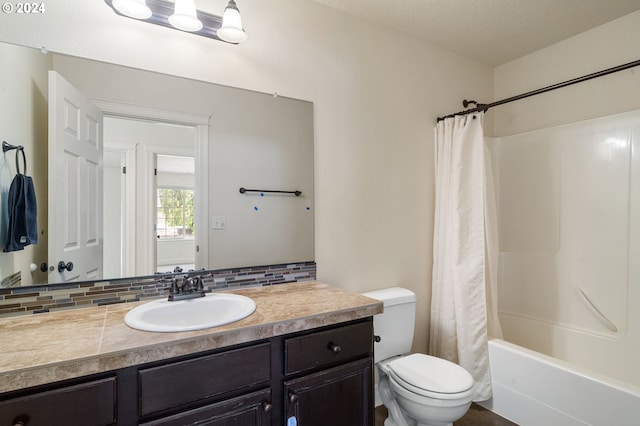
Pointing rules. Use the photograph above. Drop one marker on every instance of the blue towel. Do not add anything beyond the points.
(6, 177)
(23, 212)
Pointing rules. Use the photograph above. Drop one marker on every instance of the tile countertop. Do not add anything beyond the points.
(45, 348)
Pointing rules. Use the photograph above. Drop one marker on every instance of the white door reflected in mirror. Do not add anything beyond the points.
(75, 182)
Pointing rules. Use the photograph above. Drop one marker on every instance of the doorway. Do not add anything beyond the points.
(175, 213)
(148, 154)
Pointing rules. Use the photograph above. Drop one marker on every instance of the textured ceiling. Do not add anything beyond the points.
(490, 31)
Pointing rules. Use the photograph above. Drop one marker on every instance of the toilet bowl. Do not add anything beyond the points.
(417, 389)
(428, 390)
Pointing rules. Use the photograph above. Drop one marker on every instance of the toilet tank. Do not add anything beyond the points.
(396, 324)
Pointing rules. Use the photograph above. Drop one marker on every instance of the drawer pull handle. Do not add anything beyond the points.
(377, 339)
(293, 398)
(336, 349)
(267, 407)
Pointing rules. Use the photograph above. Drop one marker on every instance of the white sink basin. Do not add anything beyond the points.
(213, 310)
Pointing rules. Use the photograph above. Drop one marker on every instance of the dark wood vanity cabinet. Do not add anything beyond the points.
(316, 377)
(328, 377)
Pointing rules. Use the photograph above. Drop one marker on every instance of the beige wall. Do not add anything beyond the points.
(604, 47)
(24, 72)
(376, 95)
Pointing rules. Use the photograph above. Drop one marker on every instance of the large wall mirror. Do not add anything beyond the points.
(164, 186)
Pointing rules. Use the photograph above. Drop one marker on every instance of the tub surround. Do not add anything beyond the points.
(40, 349)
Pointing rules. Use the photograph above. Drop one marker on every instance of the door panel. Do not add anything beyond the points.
(75, 184)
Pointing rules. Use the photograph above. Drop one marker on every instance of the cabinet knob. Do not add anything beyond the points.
(20, 420)
(267, 407)
(336, 349)
(293, 398)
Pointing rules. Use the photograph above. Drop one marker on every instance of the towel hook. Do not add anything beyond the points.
(8, 147)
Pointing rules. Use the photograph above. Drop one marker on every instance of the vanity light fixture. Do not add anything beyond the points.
(183, 15)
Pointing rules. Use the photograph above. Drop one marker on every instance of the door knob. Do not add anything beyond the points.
(62, 266)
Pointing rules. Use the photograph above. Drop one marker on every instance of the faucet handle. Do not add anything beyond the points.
(199, 283)
(174, 289)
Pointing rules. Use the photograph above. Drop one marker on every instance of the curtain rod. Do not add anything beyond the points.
(484, 107)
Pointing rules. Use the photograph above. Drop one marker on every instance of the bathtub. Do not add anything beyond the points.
(532, 389)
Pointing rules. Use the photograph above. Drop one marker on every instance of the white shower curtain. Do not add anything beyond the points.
(465, 248)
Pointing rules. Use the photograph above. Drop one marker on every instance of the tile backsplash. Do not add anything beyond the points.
(48, 298)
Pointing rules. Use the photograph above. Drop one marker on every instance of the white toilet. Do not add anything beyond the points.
(417, 389)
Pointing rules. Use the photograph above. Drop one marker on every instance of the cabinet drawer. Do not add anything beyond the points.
(328, 347)
(253, 409)
(184, 382)
(92, 403)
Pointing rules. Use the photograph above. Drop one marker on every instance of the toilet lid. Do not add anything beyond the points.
(431, 374)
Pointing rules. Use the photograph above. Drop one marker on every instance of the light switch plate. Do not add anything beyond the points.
(219, 222)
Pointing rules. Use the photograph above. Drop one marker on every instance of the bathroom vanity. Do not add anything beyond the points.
(304, 357)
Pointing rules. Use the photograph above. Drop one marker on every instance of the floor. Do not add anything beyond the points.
(476, 416)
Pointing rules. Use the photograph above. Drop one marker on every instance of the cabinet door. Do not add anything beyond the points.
(92, 403)
(253, 409)
(340, 396)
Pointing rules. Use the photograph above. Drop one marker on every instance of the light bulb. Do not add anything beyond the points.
(184, 16)
(231, 29)
(137, 9)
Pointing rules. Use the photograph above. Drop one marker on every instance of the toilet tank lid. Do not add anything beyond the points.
(392, 296)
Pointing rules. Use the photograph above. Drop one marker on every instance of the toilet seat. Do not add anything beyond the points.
(431, 377)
